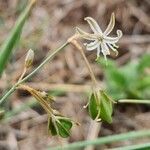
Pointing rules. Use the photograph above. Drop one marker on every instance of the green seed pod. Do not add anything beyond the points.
(93, 107)
(59, 125)
(100, 106)
(64, 125)
(106, 106)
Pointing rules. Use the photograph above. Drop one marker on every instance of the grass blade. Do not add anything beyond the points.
(8, 45)
(104, 140)
(145, 146)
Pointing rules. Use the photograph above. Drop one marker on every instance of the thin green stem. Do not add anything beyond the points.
(33, 72)
(23, 73)
(44, 62)
(104, 140)
(134, 147)
(134, 101)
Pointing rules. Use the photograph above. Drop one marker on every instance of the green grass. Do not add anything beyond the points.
(145, 146)
(9, 44)
(104, 140)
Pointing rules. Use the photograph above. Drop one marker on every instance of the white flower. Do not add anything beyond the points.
(100, 40)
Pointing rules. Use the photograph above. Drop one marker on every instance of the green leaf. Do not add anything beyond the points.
(129, 80)
(51, 127)
(64, 126)
(9, 44)
(116, 76)
(106, 108)
(93, 107)
(144, 82)
(110, 63)
(144, 62)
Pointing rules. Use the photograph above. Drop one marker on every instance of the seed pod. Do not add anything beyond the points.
(64, 125)
(93, 107)
(106, 106)
(29, 58)
(100, 107)
(59, 125)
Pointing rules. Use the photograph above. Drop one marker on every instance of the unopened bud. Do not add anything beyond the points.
(29, 58)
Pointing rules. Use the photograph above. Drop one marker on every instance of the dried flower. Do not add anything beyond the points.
(100, 40)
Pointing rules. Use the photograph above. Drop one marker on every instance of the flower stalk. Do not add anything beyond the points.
(8, 93)
(134, 101)
(78, 46)
(39, 97)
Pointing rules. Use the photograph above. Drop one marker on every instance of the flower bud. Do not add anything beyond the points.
(29, 58)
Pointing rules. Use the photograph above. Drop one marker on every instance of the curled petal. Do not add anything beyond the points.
(116, 46)
(119, 33)
(111, 47)
(85, 35)
(113, 40)
(93, 45)
(94, 25)
(114, 49)
(110, 25)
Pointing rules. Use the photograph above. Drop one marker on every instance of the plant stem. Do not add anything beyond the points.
(33, 72)
(23, 73)
(9, 44)
(134, 101)
(44, 62)
(142, 146)
(105, 140)
(77, 45)
(38, 97)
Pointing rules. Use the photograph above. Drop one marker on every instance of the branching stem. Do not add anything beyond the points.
(8, 93)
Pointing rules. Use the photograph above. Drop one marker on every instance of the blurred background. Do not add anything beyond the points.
(49, 25)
